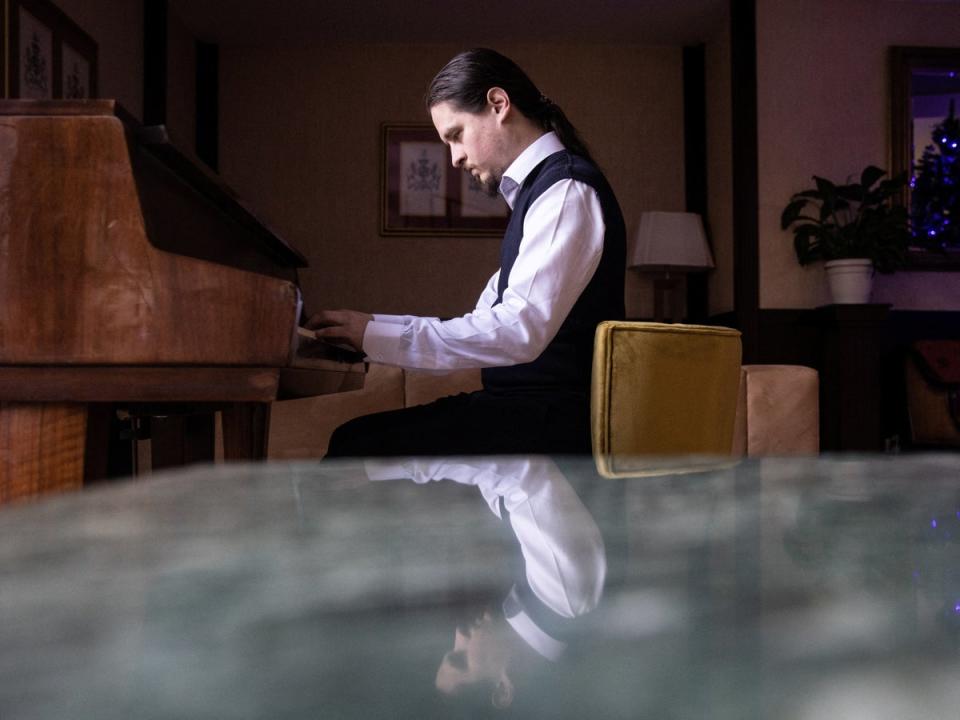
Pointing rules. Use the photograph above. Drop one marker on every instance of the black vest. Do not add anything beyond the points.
(566, 362)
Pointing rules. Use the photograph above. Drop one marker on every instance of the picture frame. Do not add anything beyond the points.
(920, 77)
(44, 54)
(423, 194)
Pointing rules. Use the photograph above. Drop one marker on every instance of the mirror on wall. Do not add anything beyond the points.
(925, 135)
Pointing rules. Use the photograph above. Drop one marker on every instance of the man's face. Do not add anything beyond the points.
(479, 654)
(476, 140)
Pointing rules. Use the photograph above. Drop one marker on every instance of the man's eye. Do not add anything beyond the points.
(458, 659)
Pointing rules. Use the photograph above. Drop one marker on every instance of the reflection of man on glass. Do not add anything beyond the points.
(558, 579)
(484, 661)
(561, 273)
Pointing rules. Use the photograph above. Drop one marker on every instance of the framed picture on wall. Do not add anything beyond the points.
(422, 194)
(44, 54)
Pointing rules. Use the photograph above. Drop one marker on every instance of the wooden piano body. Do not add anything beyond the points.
(130, 277)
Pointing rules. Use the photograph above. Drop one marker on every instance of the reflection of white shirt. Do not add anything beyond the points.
(562, 243)
(561, 544)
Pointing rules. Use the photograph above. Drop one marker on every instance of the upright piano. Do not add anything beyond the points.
(134, 280)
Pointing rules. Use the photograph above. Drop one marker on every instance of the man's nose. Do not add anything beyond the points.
(457, 157)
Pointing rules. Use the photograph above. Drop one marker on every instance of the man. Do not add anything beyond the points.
(561, 272)
(558, 572)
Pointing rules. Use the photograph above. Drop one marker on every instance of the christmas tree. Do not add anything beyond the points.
(935, 198)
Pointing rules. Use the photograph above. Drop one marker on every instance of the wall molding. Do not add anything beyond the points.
(695, 164)
(207, 103)
(746, 231)
(154, 62)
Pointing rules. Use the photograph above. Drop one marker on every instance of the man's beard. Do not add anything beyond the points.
(491, 187)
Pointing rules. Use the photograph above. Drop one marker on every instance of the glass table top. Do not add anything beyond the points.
(474, 587)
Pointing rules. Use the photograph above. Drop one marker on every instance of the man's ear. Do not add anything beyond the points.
(502, 696)
(498, 101)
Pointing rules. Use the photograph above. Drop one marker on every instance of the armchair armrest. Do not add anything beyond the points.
(778, 411)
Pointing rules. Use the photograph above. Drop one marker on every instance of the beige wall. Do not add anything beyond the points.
(303, 149)
(117, 27)
(823, 95)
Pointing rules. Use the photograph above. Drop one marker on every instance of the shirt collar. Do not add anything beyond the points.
(541, 148)
(532, 634)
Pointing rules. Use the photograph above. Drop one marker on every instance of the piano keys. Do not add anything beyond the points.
(131, 276)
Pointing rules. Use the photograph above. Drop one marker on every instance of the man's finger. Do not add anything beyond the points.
(325, 318)
(314, 321)
(336, 335)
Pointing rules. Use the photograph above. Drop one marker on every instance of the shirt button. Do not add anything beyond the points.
(516, 497)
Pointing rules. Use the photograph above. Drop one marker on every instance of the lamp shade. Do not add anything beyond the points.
(670, 241)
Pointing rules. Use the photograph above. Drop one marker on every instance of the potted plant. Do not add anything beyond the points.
(855, 228)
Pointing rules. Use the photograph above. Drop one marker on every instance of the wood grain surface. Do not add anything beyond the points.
(41, 449)
(82, 283)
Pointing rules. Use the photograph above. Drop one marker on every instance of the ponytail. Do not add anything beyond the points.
(553, 118)
(465, 80)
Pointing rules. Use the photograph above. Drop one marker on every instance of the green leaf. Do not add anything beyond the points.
(827, 208)
(890, 188)
(791, 213)
(850, 192)
(825, 187)
(806, 243)
(870, 175)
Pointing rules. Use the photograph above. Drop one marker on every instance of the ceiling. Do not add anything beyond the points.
(475, 22)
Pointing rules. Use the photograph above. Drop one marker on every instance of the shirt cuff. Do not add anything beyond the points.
(381, 470)
(392, 319)
(381, 341)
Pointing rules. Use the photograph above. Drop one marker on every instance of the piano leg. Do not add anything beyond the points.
(97, 464)
(185, 433)
(246, 427)
(42, 448)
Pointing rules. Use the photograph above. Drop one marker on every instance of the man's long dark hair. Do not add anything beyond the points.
(465, 80)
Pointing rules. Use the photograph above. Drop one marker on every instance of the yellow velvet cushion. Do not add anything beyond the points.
(663, 390)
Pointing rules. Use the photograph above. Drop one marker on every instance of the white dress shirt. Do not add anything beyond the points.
(563, 551)
(562, 243)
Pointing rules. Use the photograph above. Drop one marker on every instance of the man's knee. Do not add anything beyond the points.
(349, 440)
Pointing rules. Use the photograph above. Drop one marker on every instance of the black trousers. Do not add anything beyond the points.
(478, 423)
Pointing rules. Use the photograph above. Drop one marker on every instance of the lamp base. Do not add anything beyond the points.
(664, 298)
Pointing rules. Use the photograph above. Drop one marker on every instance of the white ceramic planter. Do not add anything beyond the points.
(850, 280)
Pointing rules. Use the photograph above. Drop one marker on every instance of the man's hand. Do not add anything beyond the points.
(344, 327)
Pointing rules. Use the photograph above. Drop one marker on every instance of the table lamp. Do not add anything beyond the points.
(665, 243)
